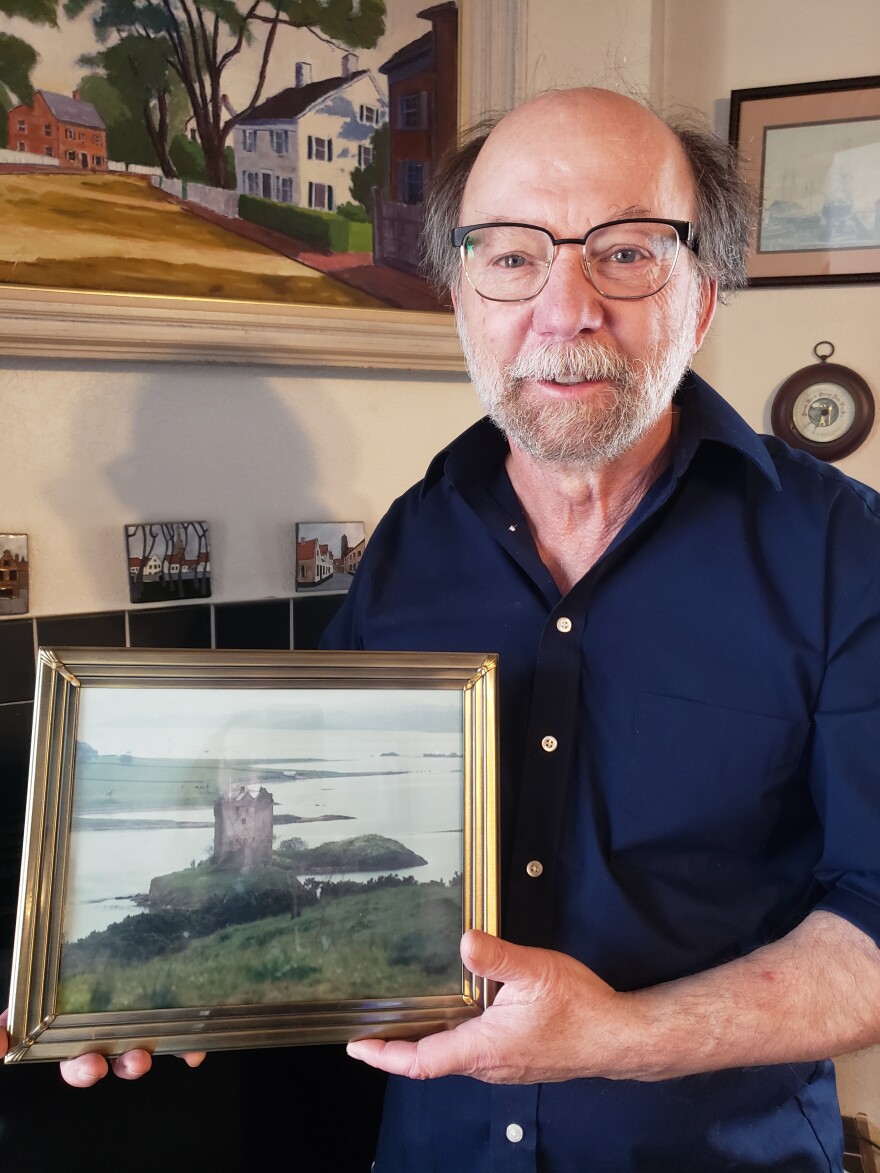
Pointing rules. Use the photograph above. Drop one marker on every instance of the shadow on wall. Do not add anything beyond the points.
(246, 449)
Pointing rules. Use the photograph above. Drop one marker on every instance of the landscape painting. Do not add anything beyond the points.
(268, 151)
(327, 555)
(247, 846)
(14, 574)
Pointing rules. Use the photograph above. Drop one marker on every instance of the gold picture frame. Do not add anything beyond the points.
(58, 323)
(140, 756)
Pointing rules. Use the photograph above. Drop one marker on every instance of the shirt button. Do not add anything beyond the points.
(534, 867)
(549, 743)
(563, 624)
(514, 1133)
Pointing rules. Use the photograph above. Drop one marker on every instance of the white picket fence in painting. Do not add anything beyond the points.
(27, 157)
(217, 199)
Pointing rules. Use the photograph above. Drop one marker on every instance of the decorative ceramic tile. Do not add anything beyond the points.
(327, 555)
(14, 574)
(168, 561)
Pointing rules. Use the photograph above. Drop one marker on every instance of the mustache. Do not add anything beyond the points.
(587, 361)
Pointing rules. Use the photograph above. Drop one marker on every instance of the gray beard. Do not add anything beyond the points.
(573, 431)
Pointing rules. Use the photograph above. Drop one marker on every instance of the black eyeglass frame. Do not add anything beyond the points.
(685, 230)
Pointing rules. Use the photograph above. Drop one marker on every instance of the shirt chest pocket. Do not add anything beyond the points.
(705, 777)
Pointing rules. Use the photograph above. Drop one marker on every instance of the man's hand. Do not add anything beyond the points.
(814, 993)
(86, 1070)
(553, 1019)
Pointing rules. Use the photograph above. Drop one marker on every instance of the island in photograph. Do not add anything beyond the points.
(168, 560)
(327, 554)
(265, 151)
(231, 847)
(14, 574)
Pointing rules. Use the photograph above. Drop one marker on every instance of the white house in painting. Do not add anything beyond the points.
(302, 145)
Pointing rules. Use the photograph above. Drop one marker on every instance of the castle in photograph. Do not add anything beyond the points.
(243, 829)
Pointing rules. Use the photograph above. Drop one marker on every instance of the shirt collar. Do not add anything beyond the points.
(705, 416)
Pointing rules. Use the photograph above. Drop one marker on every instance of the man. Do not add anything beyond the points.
(688, 621)
(688, 624)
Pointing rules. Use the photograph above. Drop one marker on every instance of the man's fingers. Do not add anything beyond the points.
(450, 1052)
(84, 1071)
(492, 957)
(398, 1057)
(132, 1065)
(192, 1058)
(87, 1070)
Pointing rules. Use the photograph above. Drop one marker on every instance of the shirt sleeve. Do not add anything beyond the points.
(845, 766)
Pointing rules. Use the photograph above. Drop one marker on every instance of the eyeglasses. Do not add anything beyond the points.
(624, 259)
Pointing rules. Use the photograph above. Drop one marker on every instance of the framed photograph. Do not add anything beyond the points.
(265, 209)
(251, 849)
(811, 153)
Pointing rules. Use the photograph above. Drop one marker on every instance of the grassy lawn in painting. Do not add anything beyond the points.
(398, 939)
(116, 233)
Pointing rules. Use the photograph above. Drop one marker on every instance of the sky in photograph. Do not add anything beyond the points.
(220, 722)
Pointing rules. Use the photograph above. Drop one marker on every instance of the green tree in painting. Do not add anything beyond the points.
(151, 103)
(17, 57)
(377, 173)
(140, 98)
(200, 39)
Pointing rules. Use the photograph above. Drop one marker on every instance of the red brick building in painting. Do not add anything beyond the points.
(66, 129)
(423, 117)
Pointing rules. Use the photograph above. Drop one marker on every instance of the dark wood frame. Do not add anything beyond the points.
(832, 372)
(752, 113)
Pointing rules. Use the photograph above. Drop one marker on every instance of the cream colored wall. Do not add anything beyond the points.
(252, 450)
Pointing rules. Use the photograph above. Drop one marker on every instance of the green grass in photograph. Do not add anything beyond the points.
(372, 941)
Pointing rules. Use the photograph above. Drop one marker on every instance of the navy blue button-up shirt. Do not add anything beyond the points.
(712, 685)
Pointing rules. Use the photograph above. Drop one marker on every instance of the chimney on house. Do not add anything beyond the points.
(303, 74)
(76, 96)
(349, 64)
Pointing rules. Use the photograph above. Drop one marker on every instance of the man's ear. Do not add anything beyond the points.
(708, 306)
(453, 293)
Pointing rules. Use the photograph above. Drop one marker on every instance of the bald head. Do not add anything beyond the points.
(573, 139)
(590, 155)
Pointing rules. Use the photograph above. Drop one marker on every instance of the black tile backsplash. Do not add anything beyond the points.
(105, 630)
(170, 627)
(265, 624)
(16, 660)
(310, 617)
